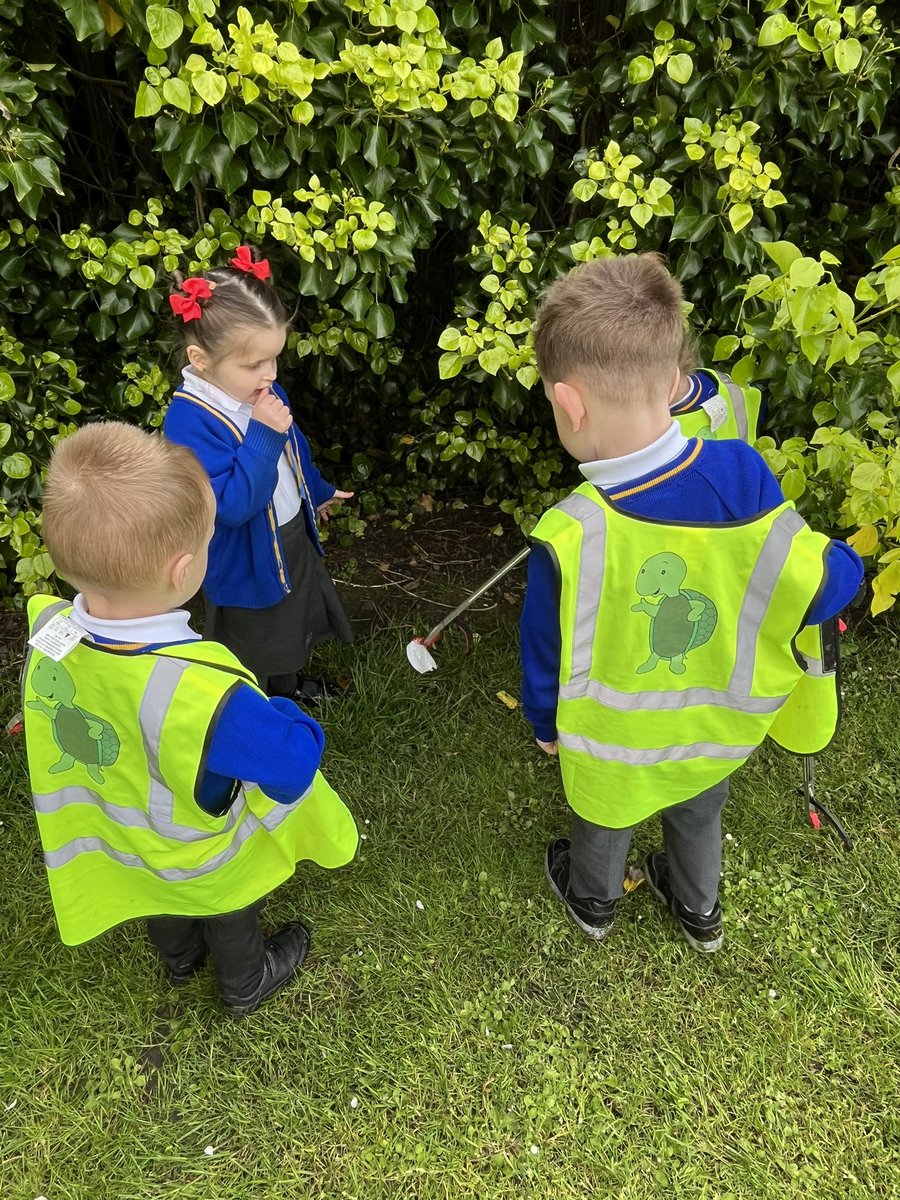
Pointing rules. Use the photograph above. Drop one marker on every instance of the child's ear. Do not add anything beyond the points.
(569, 399)
(178, 571)
(198, 358)
(675, 389)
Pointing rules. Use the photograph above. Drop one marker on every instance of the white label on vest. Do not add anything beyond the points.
(58, 638)
(717, 411)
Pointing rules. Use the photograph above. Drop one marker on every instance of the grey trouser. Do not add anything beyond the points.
(692, 838)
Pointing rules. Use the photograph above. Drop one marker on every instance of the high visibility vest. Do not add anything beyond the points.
(117, 747)
(733, 412)
(679, 650)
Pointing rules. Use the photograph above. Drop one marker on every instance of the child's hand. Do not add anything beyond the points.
(547, 747)
(272, 411)
(325, 509)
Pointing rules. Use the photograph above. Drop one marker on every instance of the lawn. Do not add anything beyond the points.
(453, 1034)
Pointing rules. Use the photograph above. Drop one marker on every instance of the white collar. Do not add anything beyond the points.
(609, 472)
(204, 390)
(160, 630)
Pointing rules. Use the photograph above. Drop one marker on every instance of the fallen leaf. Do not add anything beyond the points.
(427, 502)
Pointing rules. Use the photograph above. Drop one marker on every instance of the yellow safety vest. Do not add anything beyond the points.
(732, 413)
(117, 746)
(680, 648)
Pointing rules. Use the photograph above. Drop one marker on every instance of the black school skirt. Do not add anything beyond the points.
(280, 639)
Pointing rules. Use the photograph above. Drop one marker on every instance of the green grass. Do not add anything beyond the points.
(484, 1026)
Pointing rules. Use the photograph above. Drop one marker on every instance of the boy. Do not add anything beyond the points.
(140, 736)
(663, 602)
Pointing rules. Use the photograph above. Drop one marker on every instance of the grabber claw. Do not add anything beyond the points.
(816, 809)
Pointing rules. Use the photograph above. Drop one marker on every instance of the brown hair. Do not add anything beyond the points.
(239, 301)
(119, 504)
(616, 322)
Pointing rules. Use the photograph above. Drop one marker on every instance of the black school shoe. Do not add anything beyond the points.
(703, 933)
(285, 952)
(593, 917)
(316, 691)
(183, 972)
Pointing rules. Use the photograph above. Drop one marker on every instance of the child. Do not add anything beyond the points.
(267, 593)
(140, 736)
(663, 602)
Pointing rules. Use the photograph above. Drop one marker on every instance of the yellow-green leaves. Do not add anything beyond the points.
(164, 24)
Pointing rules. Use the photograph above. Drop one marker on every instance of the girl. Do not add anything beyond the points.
(267, 593)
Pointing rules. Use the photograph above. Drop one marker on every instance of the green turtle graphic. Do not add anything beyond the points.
(81, 736)
(680, 619)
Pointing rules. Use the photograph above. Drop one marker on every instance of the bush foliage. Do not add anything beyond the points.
(418, 173)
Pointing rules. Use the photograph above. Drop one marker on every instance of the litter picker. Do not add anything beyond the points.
(419, 649)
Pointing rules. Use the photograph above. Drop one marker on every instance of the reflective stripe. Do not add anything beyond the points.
(159, 695)
(758, 596)
(61, 857)
(738, 405)
(646, 758)
(670, 701)
(591, 565)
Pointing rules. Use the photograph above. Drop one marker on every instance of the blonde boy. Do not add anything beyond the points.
(139, 735)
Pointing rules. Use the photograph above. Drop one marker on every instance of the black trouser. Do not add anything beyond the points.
(234, 940)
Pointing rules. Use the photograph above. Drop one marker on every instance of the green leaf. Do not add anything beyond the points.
(805, 272)
(148, 101)
(725, 347)
(364, 239)
(348, 141)
(164, 24)
(847, 55)
(177, 93)
(793, 484)
(142, 277)
(7, 389)
(85, 17)
(893, 376)
(680, 68)
(640, 69)
(375, 146)
(740, 215)
(506, 106)
(239, 128)
(5, 428)
(691, 225)
(664, 32)
(16, 466)
(867, 476)
(783, 254)
(776, 29)
(380, 320)
(493, 360)
(449, 365)
(210, 86)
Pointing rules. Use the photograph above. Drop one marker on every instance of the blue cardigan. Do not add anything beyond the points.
(724, 481)
(246, 558)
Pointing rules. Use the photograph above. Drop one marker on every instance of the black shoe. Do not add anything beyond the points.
(181, 973)
(285, 952)
(703, 933)
(316, 691)
(593, 917)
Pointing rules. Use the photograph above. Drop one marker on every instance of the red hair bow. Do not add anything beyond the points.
(243, 261)
(186, 304)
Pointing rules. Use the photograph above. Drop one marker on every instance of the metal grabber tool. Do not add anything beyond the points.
(816, 807)
(419, 649)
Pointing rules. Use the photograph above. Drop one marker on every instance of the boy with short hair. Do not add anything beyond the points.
(665, 596)
(140, 737)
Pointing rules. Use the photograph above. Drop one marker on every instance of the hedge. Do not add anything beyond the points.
(417, 175)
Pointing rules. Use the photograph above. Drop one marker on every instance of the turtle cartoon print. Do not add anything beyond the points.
(81, 736)
(680, 618)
